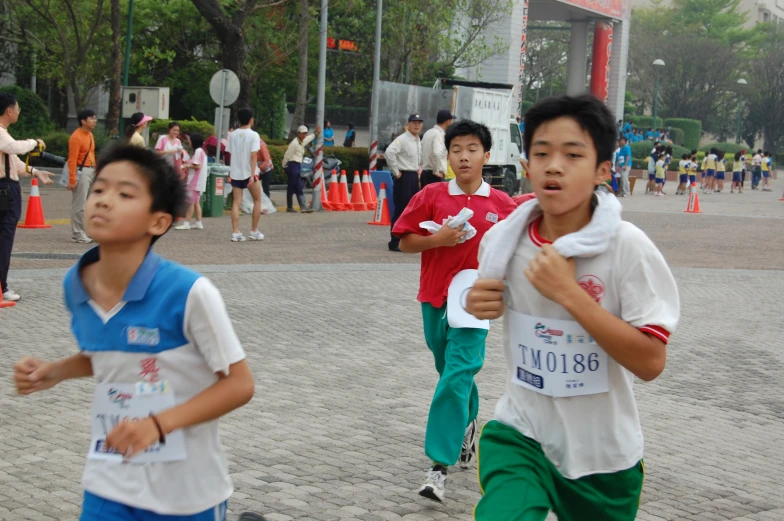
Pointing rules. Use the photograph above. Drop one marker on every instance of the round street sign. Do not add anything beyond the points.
(229, 83)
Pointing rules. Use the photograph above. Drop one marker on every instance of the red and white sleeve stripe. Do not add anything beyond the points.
(659, 332)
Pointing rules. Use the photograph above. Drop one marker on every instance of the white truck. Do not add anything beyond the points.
(490, 104)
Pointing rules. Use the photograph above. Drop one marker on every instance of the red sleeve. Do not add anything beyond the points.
(522, 198)
(417, 211)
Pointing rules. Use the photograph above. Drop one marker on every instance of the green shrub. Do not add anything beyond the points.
(187, 126)
(525, 106)
(692, 130)
(677, 136)
(34, 120)
(641, 122)
(727, 148)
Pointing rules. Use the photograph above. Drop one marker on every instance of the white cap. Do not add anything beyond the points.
(302, 129)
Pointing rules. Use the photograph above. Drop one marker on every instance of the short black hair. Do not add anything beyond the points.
(685, 156)
(197, 141)
(173, 124)
(694, 151)
(164, 184)
(623, 137)
(591, 115)
(737, 155)
(466, 127)
(244, 116)
(6, 100)
(85, 114)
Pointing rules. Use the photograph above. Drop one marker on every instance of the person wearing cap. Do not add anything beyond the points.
(404, 159)
(133, 132)
(434, 166)
(292, 164)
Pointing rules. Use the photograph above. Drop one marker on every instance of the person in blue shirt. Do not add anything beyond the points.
(329, 134)
(627, 127)
(351, 136)
(624, 166)
(649, 135)
(159, 342)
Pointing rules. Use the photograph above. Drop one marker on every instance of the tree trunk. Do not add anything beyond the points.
(113, 116)
(302, 70)
(232, 41)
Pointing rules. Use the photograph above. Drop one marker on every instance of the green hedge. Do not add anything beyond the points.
(525, 106)
(677, 136)
(34, 120)
(692, 130)
(187, 126)
(350, 158)
(727, 148)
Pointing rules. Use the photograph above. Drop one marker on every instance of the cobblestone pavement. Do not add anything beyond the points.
(333, 335)
(734, 231)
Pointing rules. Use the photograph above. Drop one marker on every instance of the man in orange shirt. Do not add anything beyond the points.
(81, 158)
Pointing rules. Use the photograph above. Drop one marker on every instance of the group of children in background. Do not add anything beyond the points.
(193, 169)
(713, 170)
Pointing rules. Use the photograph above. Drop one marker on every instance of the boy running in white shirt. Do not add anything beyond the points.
(158, 340)
(567, 434)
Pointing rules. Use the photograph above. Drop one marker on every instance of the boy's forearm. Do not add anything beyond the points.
(641, 354)
(76, 366)
(414, 243)
(227, 394)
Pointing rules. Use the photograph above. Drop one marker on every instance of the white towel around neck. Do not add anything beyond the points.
(592, 240)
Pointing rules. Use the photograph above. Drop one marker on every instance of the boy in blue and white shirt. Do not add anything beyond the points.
(165, 357)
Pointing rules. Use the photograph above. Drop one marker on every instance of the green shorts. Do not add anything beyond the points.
(519, 483)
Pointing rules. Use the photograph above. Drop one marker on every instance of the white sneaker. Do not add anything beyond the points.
(10, 296)
(468, 452)
(435, 485)
(82, 240)
(238, 237)
(184, 226)
(198, 225)
(256, 236)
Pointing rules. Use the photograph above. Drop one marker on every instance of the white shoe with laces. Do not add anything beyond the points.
(435, 485)
(238, 237)
(184, 226)
(468, 452)
(198, 225)
(256, 236)
(11, 296)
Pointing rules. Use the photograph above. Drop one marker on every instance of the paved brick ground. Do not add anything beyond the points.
(344, 379)
(734, 231)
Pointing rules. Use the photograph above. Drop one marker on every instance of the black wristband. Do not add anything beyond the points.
(161, 435)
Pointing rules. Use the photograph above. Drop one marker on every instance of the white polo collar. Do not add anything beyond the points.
(483, 190)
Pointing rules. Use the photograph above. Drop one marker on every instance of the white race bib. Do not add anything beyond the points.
(113, 403)
(456, 314)
(555, 357)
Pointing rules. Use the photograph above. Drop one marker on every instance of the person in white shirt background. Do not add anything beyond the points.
(11, 167)
(244, 145)
(404, 160)
(434, 150)
(292, 164)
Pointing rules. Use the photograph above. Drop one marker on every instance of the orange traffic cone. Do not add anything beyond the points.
(343, 203)
(782, 197)
(35, 210)
(334, 189)
(693, 206)
(381, 217)
(368, 192)
(6, 303)
(320, 185)
(357, 199)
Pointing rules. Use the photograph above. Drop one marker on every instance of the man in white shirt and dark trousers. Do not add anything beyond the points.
(11, 167)
(434, 150)
(243, 145)
(292, 164)
(404, 159)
